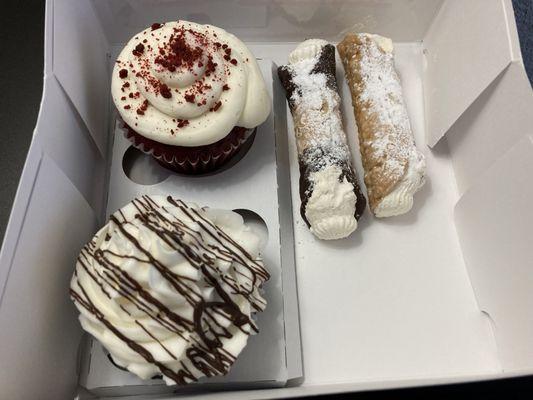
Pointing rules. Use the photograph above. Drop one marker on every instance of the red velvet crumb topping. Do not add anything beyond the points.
(165, 91)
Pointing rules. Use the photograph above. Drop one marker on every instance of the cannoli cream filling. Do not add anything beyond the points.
(400, 200)
(330, 209)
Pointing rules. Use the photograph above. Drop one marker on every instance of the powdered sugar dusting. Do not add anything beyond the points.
(394, 168)
(380, 93)
(319, 133)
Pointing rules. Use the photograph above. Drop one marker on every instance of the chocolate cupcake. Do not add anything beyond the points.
(169, 288)
(190, 95)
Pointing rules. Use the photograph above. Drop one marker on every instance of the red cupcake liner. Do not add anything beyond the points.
(193, 160)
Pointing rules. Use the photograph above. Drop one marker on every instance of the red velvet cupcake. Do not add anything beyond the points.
(190, 95)
(198, 159)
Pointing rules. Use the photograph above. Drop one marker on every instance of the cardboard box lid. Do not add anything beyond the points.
(494, 220)
(494, 123)
(80, 64)
(36, 300)
(29, 199)
(467, 46)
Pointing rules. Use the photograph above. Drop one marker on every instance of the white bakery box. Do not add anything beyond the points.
(443, 294)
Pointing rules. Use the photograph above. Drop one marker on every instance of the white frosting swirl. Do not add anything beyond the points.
(156, 272)
(187, 84)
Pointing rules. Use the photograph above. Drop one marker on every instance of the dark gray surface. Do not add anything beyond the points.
(21, 66)
(524, 23)
(21, 72)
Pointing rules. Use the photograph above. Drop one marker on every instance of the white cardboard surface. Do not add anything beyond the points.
(293, 347)
(18, 213)
(379, 280)
(273, 20)
(80, 55)
(67, 141)
(466, 48)
(496, 209)
(500, 117)
(37, 319)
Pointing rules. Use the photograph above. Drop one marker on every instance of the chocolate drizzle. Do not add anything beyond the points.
(214, 320)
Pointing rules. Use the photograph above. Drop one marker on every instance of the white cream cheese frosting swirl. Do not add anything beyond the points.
(169, 288)
(186, 84)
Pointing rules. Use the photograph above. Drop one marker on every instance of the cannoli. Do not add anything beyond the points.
(331, 199)
(394, 168)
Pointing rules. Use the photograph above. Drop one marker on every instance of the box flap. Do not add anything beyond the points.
(494, 221)
(64, 137)
(35, 310)
(18, 212)
(466, 47)
(500, 116)
(290, 291)
(280, 20)
(29, 172)
(80, 64)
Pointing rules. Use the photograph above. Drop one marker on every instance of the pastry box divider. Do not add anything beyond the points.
(442, 295)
